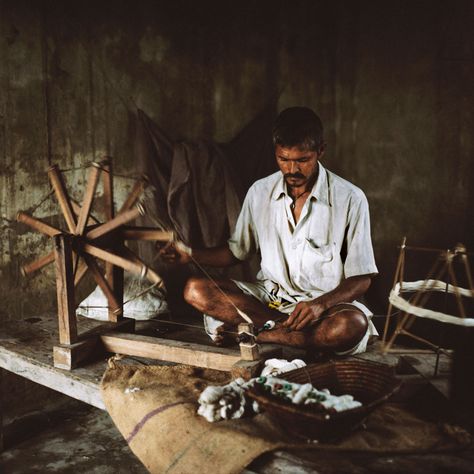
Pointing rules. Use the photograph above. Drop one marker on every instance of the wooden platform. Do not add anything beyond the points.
(26, 350)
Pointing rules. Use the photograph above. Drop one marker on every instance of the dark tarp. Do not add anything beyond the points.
(197, 188)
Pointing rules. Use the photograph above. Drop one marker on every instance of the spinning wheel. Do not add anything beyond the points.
(86, 240)
(79, 249)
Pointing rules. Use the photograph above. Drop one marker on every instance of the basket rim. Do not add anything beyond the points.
(305, 410)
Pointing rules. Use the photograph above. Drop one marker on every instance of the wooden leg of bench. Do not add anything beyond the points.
(1, 410)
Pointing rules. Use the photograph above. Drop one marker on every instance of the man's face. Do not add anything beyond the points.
(298, 166)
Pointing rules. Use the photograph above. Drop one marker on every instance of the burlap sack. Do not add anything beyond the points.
(154, 407)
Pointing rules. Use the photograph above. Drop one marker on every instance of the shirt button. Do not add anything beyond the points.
(295, 244)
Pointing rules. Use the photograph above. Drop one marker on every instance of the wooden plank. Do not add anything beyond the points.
(65, 289)
(81, 389)
(38, 224)
(92, 182)
(173, 351)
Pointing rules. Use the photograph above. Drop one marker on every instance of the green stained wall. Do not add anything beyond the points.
(392, 80)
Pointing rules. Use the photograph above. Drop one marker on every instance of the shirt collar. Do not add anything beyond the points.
(320, 190)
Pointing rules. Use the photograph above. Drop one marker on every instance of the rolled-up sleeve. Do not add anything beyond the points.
(360, 254)
(243, 242)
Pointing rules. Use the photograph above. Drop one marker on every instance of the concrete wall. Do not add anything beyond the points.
(392, 81)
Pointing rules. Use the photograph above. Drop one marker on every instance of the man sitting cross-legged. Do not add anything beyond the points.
(312, 231)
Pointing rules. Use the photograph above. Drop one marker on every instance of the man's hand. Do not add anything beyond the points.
(175, 252)
(305, 314)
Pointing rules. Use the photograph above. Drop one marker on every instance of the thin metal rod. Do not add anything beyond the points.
(398, 272)
(433, 250)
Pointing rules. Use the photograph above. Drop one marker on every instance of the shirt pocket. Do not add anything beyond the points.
(322, 253)
(320, 266)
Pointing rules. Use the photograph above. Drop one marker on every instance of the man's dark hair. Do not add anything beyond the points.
(298, 126)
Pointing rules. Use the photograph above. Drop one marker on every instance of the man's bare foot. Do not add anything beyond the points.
(280, 335)
(224, 336)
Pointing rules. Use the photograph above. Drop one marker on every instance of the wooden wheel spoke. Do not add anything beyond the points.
(92, 182)
(38, 224)
(80, 272)
(103, 284)
(63, 199)
(77, 210)
(134, 267)
(134, 195)
(37, 264)
(146, 233)
(116, 222)
(108, 189)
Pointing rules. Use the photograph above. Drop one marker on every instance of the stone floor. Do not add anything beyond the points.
(72, 437)
(77, 438)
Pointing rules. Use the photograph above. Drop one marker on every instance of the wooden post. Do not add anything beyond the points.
(65, 289)
(248, 350)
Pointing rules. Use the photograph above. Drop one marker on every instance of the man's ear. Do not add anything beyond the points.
(322, 150)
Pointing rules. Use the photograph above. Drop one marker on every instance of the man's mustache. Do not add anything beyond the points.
(295, 175)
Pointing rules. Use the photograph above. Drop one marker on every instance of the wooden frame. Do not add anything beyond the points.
(443, 266)
(77, 251)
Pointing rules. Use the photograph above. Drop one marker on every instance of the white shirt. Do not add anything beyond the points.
(304, 260)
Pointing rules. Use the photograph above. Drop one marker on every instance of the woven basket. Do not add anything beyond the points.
(370, 383)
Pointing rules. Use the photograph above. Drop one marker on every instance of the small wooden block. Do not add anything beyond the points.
(248, 350)
(251, 368)
(69, 356)
(246, 369)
